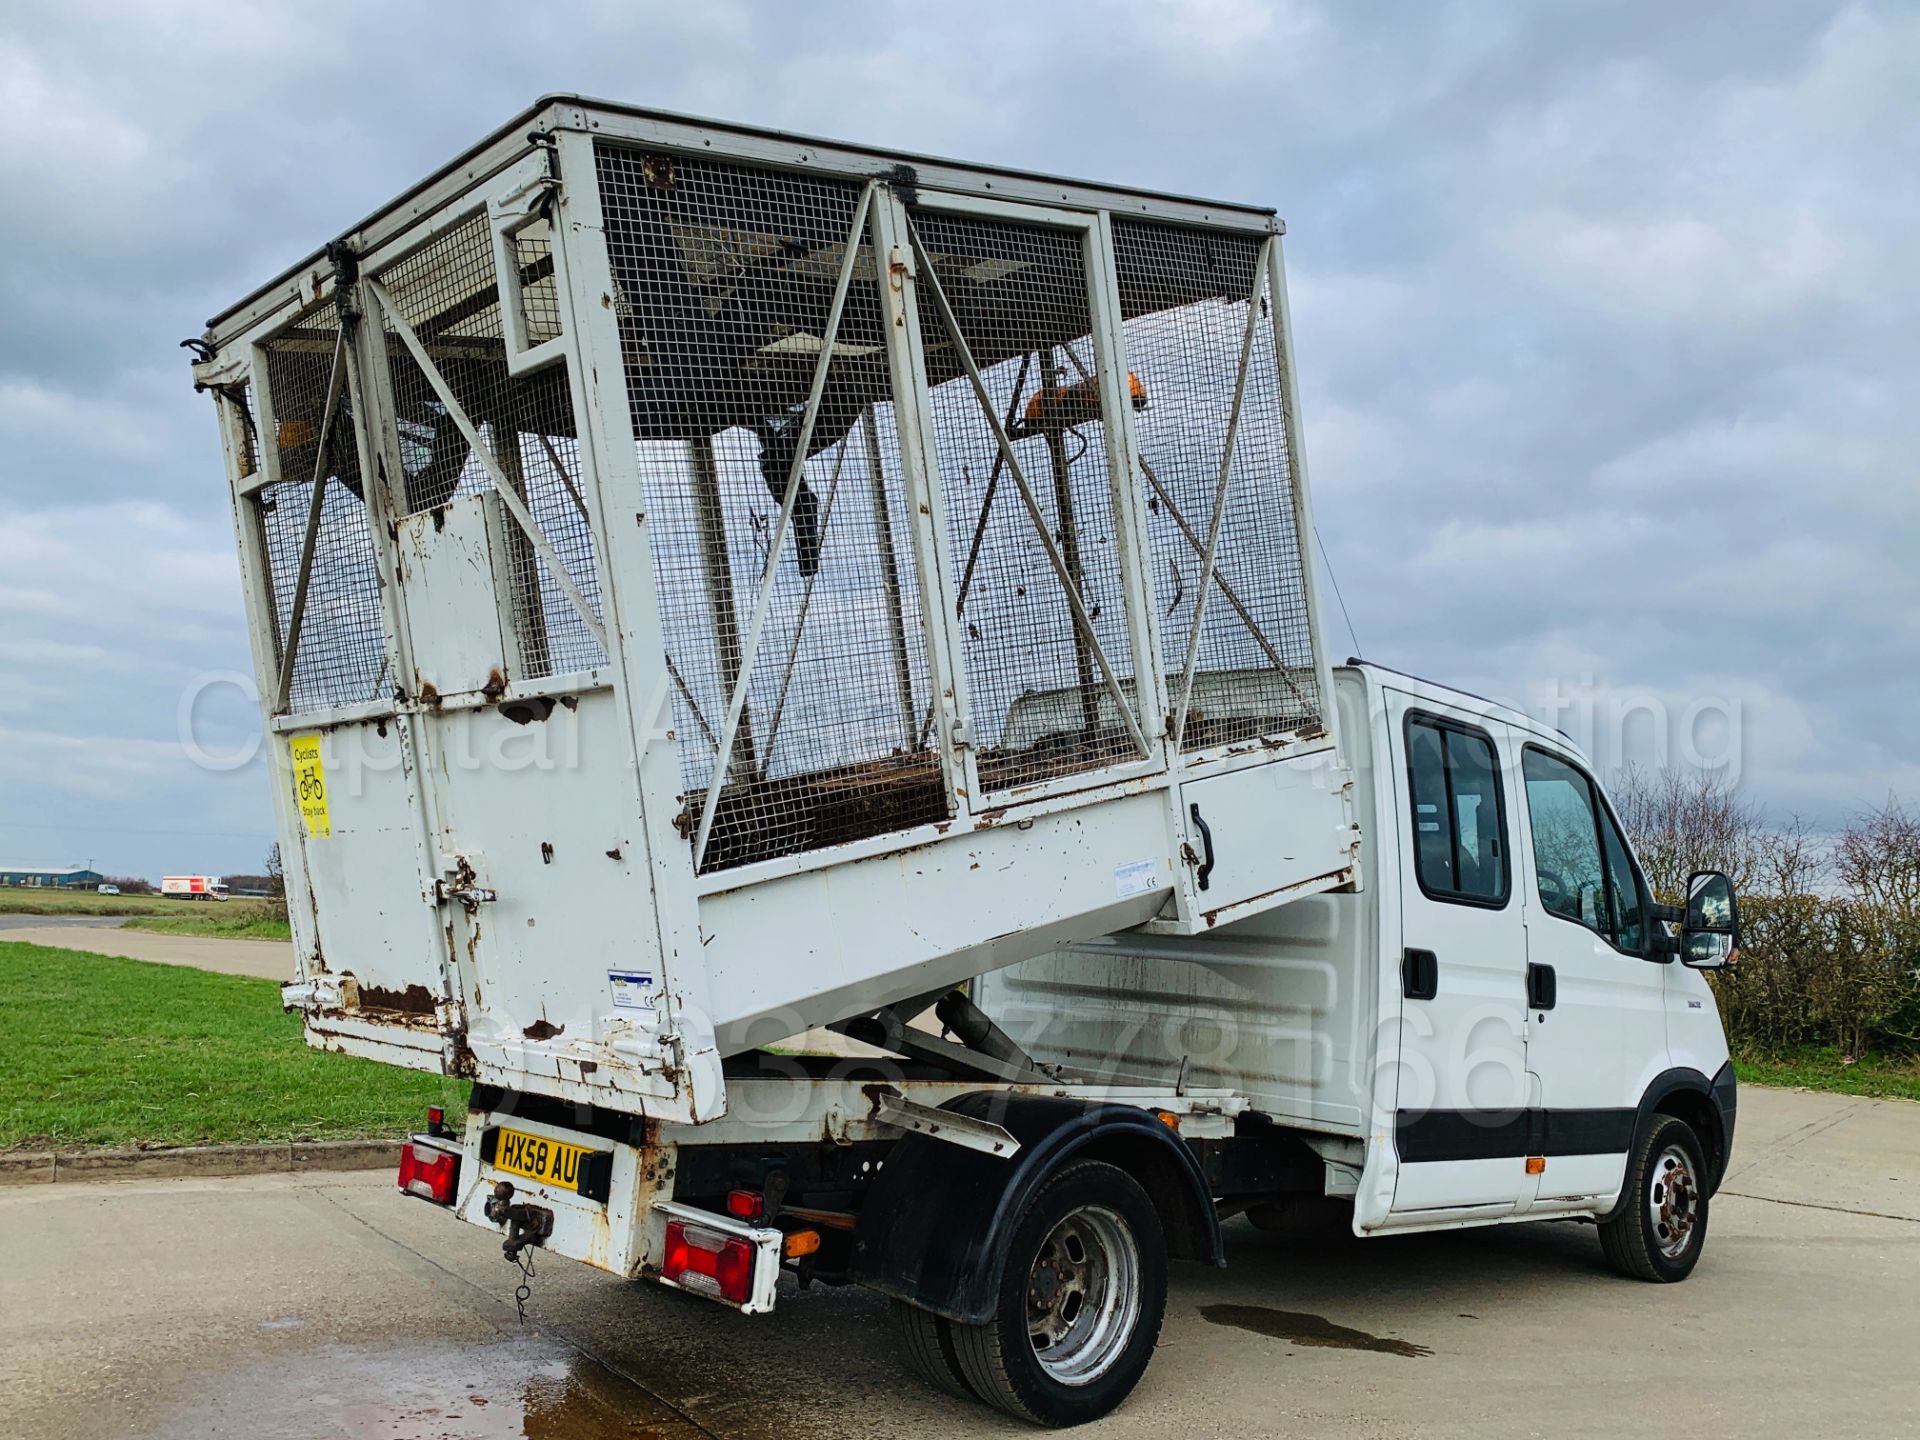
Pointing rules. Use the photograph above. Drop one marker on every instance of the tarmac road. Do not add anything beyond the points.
(332, 1306)
(104, 935)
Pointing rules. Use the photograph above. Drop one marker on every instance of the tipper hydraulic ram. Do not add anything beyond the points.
(706, 584)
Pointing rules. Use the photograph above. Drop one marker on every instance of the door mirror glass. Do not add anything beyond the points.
(1707, 951)
(1712, 929)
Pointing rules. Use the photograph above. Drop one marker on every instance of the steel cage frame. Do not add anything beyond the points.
(1131, 474)
(635, 661)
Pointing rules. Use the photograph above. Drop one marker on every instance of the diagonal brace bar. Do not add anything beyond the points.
(800, 621)
(993, 485)
(503, 487)
(1219, 578)
(314, 505)
(764, 600)
(1074, 603)
(1220, 494)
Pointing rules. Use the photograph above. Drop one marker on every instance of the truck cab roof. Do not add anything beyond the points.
(1372, 673)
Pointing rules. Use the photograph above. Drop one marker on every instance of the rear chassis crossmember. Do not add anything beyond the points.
(809, 1137)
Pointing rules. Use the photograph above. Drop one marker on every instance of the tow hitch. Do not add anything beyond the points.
(527, 1226)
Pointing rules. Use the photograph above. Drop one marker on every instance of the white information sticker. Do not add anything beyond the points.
(1136, 877)
(632, 989)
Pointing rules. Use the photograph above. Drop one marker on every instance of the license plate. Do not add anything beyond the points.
(552, 1162)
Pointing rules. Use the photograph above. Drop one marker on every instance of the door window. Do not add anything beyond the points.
(1581, 863)
(1623, 889)
(1458, 832)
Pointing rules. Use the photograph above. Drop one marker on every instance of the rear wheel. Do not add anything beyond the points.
(927, 1340)
(1080, 1305)
(1660, 1227)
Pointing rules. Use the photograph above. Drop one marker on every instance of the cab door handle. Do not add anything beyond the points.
(1419, 974)
(1543, 986)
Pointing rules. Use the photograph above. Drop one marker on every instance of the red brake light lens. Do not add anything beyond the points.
(746, 1204)
(429, 1173)
(709, 1262)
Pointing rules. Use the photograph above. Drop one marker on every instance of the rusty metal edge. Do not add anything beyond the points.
(96, 1166)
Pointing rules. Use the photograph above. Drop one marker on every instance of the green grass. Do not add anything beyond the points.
(28, 900)
(1892, 1076)
(101, 1051)
(235, 920)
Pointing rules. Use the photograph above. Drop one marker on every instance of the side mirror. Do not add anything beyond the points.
(1710, 935)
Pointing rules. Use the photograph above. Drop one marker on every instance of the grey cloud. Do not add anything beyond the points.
(1605, 312)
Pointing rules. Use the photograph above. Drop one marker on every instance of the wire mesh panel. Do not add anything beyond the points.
(238, 398)
(726, 278)
(1041, 685)
(538, 287)
(340, 657)
(1185, 296)
(447, 292)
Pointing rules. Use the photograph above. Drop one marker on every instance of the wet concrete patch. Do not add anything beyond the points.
(1303, 1329)
(522, 1389)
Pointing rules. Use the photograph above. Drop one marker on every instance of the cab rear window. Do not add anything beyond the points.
(1459, 820)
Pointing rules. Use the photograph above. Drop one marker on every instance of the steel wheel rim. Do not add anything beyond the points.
(1083, 1295)
(1673, 1202)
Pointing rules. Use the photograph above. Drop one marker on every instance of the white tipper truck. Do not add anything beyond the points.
(709, 585)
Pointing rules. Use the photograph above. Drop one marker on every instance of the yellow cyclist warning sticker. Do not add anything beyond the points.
(310, 784)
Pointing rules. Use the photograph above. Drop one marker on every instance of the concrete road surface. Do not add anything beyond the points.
(102, 934)
(331, 1306)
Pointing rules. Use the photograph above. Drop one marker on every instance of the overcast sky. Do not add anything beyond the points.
(1606, 315)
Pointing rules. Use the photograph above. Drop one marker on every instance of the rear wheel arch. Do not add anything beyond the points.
(935, 1228)
(1179, 1197)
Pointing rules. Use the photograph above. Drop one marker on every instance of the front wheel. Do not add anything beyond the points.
(1080, 1305)
(1660, 1226)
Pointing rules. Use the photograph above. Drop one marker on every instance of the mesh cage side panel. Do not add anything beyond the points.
(539, 285)
(341, 659)
(1039, 704)
(448, 293)
(1184, 295)
(724, 281)
(246, 427)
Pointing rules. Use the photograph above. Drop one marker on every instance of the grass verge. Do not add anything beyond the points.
(236, 920)
(100, 1051)
(32, 900)
(1886, 1076)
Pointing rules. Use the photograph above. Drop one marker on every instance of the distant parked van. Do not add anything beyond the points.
(109, 889)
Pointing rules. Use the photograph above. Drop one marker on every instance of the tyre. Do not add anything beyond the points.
(1080, 1305)
(1660, 1225)
(927, 1340)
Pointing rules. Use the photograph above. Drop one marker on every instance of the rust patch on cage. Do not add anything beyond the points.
(414, 1000)
(543, 1029)
(525, 712)
(496, 685)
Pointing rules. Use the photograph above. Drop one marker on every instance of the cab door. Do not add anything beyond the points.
(1596, 1016)
(1462, 1094)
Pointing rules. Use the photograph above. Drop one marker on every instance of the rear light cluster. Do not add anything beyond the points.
(429, 1171)
(708, 1262)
